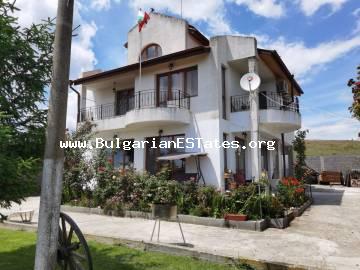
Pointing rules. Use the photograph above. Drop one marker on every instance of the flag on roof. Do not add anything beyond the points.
(143, 18)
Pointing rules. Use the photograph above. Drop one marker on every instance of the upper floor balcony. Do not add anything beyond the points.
(278, 113)
(141, 108)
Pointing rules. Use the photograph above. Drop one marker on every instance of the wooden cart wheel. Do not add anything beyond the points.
(73, 251)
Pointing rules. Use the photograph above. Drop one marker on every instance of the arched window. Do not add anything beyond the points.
(151, 51)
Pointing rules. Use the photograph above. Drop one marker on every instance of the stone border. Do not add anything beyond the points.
(251, 225)
(290, 215)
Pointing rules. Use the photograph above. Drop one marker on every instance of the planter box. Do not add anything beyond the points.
(137, 214)
(251, 225)
(206, 221)
(281, 223)
(164, 211)
(300, 210)
(278, 223)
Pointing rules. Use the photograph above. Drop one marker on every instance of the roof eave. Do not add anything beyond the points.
(283, 67)
(158, 60)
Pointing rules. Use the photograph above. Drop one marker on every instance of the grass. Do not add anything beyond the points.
(17, 251)
(332, 147)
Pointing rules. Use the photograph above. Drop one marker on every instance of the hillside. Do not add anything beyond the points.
(332, 147)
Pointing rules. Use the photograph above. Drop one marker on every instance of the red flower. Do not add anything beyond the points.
(101, 169)
(299, 190)
(110, 160)
(285, 182)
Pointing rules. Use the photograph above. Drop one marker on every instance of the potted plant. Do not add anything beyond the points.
(238, 203)
(164, 197)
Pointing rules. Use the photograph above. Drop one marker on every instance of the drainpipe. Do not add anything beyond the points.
(283, 153)
(78, 103)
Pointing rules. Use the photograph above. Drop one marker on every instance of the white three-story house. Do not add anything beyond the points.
(189, 88)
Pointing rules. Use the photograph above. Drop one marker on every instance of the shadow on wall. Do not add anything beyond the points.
(206, 166)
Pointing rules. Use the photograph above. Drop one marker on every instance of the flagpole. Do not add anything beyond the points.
(140, 60)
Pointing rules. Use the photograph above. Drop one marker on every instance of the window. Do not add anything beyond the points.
(152, 165)
(123, 159)
(191, 82)
(185, 80)
(151, 51)
(223, 91)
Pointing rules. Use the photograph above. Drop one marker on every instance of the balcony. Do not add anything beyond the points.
(142, 108)
(277, 113)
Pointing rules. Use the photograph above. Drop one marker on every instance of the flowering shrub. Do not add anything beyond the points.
(161, 191)
(291, 192)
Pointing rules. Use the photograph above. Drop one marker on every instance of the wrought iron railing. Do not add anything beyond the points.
(139, 100)
(267, 100)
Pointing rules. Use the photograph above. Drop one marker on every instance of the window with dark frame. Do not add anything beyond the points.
(183, 80)
(151, 51)
(124, 159)
(223, 91)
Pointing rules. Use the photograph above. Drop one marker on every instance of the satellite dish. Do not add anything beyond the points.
(250, 81)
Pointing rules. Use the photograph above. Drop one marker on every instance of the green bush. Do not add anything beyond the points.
(188, 197)
(291, 192)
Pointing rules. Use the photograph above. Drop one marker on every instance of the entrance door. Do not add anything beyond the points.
(124, 101)
(240, 161)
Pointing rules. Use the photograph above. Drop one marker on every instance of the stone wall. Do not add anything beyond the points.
(333, 163)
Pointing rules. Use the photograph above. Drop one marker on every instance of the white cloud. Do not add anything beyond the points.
(82, 54)
(309, 7)
(211, 12)
(100, 4)
(302, 60)
(265, 8)
(356, 14)
(336, 129)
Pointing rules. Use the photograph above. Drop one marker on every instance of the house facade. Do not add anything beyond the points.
(189, 88)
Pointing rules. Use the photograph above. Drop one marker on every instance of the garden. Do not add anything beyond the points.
(95, 183)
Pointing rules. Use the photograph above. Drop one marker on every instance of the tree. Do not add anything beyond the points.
(17, 175)
(299, 148)
(25, 68)
(25, 71)
(355, 86)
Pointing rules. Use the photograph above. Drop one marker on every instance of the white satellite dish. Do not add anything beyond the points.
(250, 81)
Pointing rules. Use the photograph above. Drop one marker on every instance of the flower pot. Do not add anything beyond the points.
(236, 217)
(164, 211)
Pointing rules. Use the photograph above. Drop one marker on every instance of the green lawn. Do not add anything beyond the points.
(17, 250)
(332, 147)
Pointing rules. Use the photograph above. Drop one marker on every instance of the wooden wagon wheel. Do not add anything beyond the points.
(73, 251)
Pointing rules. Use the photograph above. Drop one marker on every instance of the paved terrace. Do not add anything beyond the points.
(326, 236)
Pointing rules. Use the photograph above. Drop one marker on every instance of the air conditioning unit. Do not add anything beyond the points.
(282, 87)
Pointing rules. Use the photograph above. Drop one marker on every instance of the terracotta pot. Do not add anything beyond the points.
(236, 217)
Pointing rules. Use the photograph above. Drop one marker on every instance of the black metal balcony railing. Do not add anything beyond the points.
(267, 100)
(139, 100)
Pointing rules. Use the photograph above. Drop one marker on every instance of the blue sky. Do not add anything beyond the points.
(319, 40)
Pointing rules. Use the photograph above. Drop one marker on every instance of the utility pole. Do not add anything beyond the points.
(254, 117)
(48, 224)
